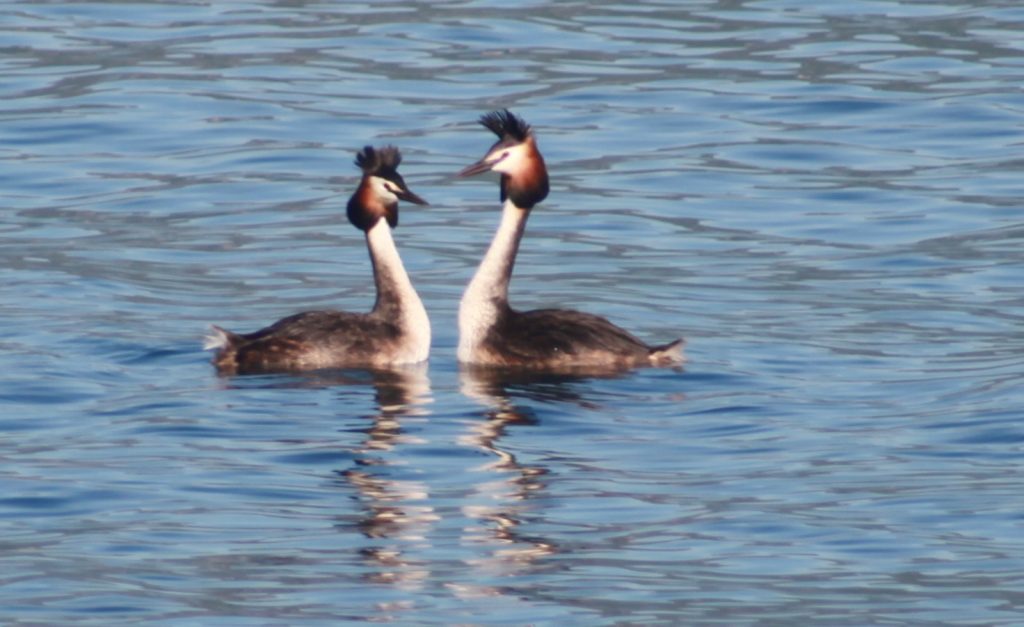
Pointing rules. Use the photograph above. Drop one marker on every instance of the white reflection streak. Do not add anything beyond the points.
(394, 511)
(499, 501)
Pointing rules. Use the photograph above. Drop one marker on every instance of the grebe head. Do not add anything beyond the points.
(524, 177)
(380, 190)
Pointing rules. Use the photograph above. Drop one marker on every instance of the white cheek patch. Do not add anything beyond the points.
(384, 189)
(510, 160)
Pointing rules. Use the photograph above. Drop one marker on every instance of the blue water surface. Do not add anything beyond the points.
(825, 201)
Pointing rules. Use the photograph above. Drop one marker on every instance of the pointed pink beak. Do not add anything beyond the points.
(482, 165)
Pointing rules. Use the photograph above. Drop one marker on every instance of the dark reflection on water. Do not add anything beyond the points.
(482, 382)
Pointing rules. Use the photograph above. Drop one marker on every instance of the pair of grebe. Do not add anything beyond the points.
(397, 331)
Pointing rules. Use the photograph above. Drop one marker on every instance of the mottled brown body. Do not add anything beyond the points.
(491, 333)
(564, 339)
(395, 332)
(309, 341)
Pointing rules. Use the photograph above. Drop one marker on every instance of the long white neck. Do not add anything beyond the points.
(487, 294)
(396, 297)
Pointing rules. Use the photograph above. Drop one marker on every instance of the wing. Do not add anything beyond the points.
(312, 325)
(546, 334)
(314, 339)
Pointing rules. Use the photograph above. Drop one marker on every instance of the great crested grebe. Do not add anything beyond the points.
(490, 331)
(395, 332)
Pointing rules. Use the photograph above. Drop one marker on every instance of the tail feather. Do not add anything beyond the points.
(670, 354)
(226, 345)
(217, 338)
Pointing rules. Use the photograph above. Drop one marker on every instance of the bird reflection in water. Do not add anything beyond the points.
(396, 514)
(502, 503)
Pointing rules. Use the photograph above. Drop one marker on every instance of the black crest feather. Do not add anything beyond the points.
(379, 161)
(506, 125)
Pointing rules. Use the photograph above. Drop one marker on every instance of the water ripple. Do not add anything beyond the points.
(821, 199)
